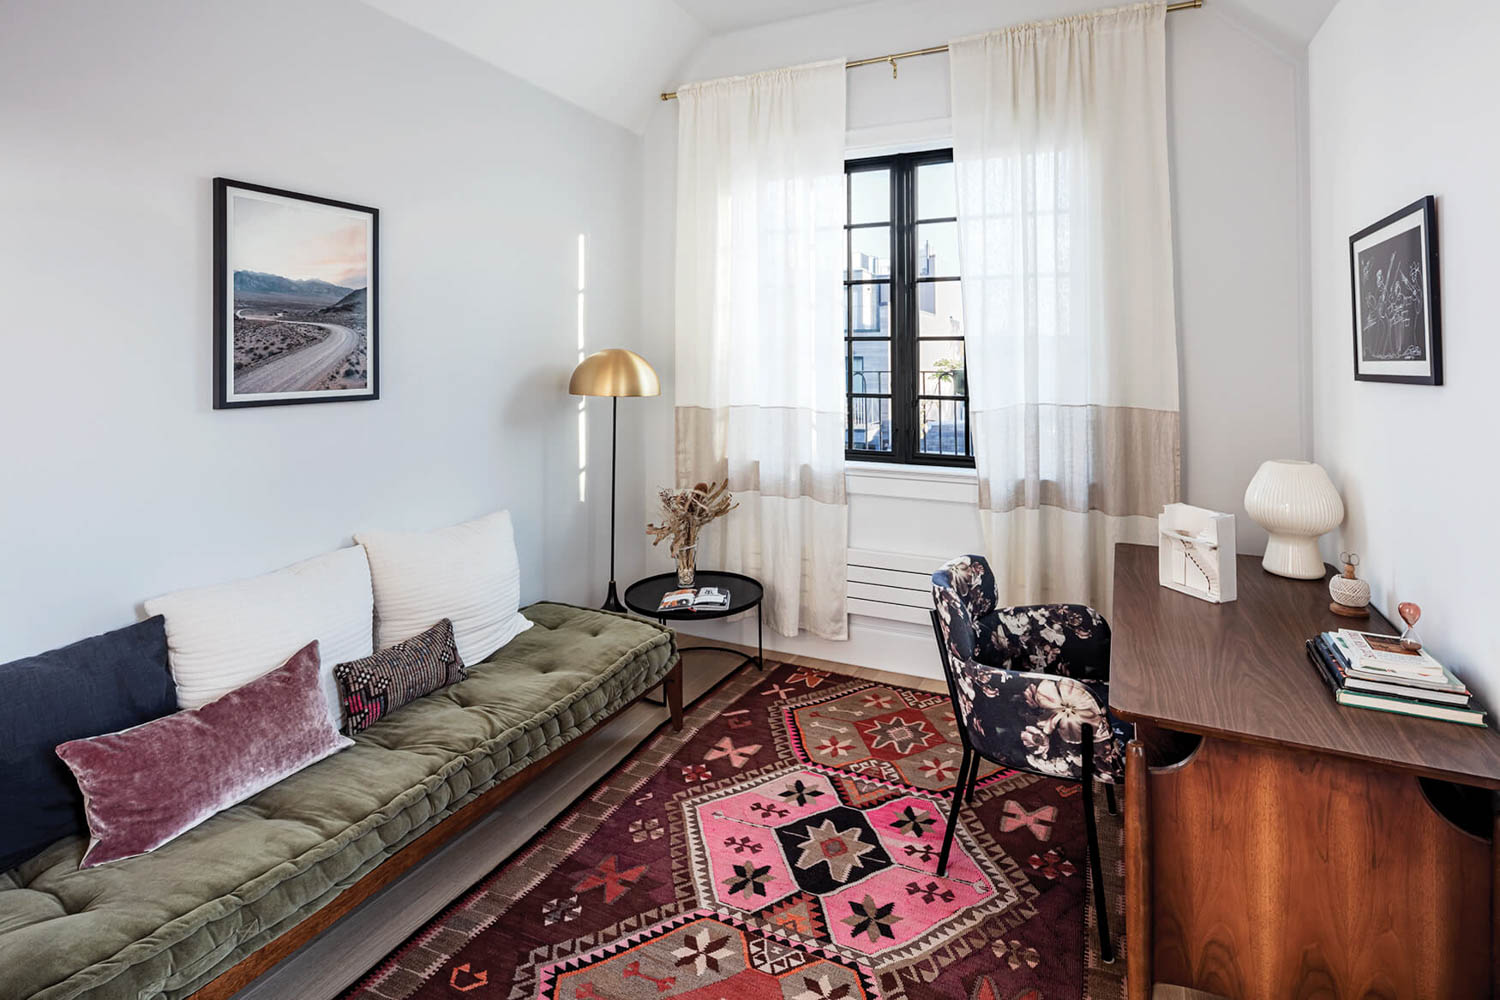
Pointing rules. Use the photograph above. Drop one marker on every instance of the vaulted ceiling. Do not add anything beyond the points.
(612, 57)
(1298, 20)
(607, 56)
(719, 16)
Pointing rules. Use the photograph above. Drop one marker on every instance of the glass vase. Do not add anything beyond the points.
(685, 557)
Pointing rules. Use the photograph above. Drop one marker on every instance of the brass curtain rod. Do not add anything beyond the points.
(933, 50)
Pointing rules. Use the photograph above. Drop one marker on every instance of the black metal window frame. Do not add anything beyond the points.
(905, 394)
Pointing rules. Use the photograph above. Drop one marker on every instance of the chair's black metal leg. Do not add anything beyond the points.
(1096, 866)
(958, 801)
(973, 779)
(965, 774)
(1109, 799)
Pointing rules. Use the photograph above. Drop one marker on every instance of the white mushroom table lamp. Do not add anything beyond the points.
(1296, 503)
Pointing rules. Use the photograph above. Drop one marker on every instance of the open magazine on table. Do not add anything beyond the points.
(695, 599)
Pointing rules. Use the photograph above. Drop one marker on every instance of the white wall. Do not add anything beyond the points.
(1404, 106)
(1237, 117)
(120, 481)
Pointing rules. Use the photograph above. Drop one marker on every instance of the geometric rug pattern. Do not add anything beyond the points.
(782, 847)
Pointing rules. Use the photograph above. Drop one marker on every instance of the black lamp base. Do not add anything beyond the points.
(612, 601)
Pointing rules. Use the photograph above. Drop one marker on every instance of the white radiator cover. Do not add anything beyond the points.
(895, 586)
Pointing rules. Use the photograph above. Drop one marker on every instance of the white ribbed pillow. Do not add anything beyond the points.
(223, 636)
(467, 573)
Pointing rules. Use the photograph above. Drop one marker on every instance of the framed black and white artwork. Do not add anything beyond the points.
(1397, 320)
(296, 296)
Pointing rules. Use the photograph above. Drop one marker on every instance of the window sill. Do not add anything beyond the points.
(913, 482)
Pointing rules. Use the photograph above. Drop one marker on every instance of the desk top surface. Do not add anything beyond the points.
(1240, 670)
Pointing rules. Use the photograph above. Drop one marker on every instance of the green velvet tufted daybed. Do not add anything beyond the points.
(224, 902)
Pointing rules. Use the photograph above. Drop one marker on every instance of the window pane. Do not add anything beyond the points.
(870, 310)
(940, 311)
(932, 383)
(870, 196)
(937, 250)
(870, 253)
(944, 427)
(846, 408)
(936, 195)
(870, 366)
(942, 364)
(871, 428)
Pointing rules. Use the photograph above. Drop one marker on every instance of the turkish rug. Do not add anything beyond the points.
(784, 846)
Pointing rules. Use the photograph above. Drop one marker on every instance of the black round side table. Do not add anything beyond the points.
(745, 592)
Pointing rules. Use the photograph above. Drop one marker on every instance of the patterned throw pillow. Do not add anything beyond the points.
(377, 685)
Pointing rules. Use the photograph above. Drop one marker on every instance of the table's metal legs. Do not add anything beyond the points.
(759, 659)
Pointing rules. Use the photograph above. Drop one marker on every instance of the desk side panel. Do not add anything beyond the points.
(1278, 874)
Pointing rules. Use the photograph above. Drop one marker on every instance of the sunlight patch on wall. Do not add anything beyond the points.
(583, 428)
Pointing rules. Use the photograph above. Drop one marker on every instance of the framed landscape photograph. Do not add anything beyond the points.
(295, 298)
(1397, 320)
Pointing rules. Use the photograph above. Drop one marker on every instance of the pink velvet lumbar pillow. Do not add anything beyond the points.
(146, 785)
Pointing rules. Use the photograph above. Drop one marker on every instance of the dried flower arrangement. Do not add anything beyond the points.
(684, 513)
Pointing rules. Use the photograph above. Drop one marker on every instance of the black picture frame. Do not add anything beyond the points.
(302, 298)
(1394, 289)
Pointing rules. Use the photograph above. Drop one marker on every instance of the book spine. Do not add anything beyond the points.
(1322, 668)
(1376, 703)
(1331, 659)
(1331, 641)
(1446, 699)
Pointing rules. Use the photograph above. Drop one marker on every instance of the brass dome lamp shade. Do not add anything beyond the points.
(614, 373)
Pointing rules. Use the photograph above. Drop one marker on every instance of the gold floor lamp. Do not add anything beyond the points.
(614, 373)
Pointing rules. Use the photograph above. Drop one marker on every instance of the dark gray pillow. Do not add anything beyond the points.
(100, 685)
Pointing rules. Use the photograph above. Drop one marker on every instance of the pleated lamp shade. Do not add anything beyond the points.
(615, 372)
(1295, 502)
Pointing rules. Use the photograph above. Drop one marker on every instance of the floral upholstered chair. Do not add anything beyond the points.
(1030, 690)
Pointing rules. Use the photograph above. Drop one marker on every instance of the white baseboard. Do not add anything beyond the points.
(883, 645)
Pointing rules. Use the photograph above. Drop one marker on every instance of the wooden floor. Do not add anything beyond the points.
(334, 961)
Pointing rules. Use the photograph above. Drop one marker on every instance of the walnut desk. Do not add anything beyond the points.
(1277, 844)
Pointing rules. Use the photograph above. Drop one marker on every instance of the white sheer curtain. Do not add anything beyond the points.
(759, 379)
(1065, 230)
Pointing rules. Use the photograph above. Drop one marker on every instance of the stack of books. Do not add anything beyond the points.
(1367, 670)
